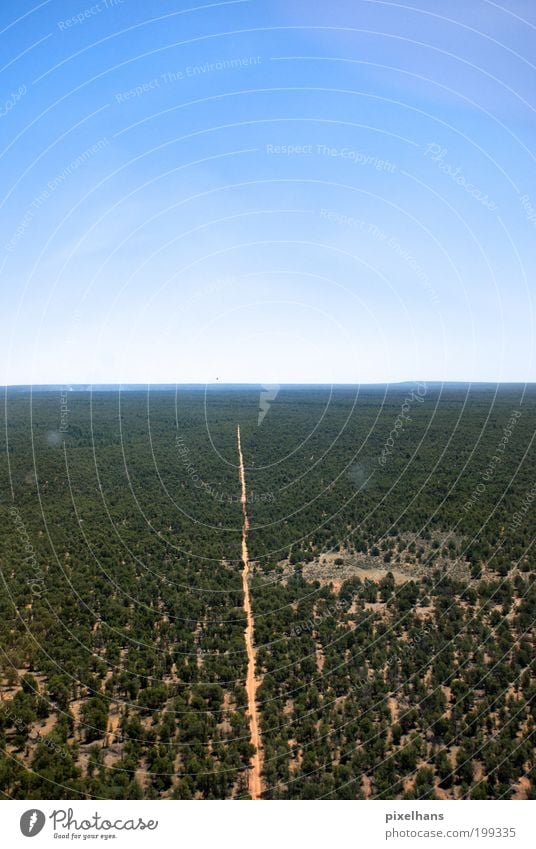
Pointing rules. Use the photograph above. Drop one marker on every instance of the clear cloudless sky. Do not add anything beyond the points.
(281, 191)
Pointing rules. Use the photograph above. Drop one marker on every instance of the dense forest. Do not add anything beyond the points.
(391, 542)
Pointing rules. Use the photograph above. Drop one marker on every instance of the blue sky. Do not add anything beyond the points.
(267, 192)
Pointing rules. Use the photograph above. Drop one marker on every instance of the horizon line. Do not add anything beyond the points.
(87, 386)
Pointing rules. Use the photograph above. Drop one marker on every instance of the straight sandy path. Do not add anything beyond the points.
(255, 784)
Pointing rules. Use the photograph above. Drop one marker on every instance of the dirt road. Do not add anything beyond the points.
(255, 785)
